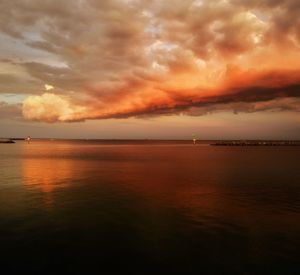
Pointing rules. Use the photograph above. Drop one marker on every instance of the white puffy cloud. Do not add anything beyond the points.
(50, 108)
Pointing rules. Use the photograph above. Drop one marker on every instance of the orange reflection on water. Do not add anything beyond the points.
(44, 170)
(46, 174)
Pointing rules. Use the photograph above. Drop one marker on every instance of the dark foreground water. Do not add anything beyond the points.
(105, 208)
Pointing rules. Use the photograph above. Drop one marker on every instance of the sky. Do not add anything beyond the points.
(161, 69)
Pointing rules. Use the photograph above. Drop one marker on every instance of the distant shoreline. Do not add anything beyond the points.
(254, 142)
(152, 139)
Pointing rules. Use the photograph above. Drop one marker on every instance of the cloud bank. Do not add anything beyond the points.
(123, 58)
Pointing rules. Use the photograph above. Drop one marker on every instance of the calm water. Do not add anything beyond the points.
(78, 207)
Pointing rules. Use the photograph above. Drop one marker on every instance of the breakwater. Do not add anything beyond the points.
(256, 143)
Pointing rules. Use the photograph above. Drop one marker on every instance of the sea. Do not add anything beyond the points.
(148, 207)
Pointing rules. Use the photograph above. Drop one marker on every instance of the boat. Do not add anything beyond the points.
(6, 140)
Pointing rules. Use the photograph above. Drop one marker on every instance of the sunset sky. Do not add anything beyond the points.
(219, 69)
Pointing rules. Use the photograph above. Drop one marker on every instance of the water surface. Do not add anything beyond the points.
(148, 208)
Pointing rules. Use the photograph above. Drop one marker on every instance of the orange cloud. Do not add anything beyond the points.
(114, 58)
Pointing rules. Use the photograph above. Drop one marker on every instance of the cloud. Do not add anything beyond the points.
(115, 58)
(10, 110)
(279, 104)
(48, 87)
(270, 91)
(50, 108)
